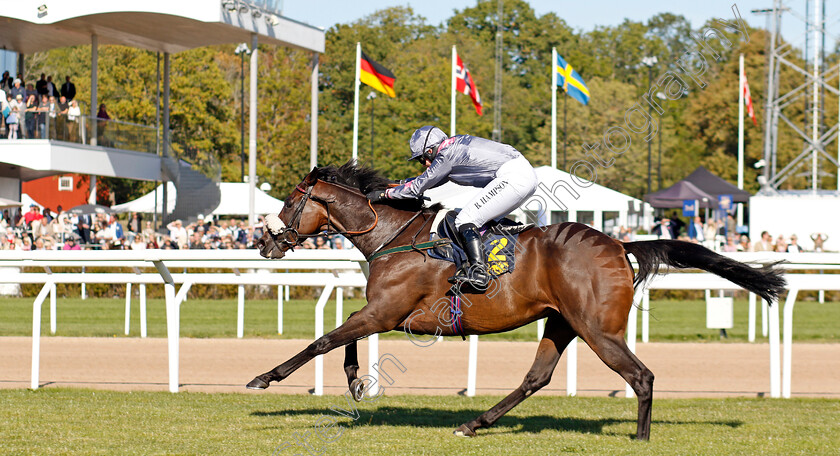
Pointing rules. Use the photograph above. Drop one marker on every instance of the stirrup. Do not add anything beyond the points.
(479, 280)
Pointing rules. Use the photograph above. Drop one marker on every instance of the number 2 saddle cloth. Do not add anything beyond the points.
(499, 240)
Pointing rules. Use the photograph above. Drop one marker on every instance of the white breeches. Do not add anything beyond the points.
(515, 182)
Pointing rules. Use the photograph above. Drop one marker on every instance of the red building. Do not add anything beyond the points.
(67, 190)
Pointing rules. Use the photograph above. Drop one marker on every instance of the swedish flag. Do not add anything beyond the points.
(571, 81)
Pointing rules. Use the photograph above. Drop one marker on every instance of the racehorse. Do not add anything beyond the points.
(578, 278)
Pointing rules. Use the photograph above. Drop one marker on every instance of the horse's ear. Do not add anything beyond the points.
(311, 178)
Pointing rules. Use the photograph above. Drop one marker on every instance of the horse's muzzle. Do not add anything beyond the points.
(269, 248)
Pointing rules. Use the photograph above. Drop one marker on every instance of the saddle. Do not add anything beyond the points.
(499, 240)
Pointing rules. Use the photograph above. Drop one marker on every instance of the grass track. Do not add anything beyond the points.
(83, 422)
(671, 321)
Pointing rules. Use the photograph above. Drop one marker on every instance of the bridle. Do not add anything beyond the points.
(291, 237)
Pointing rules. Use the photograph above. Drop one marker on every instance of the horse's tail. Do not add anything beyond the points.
(765, 281)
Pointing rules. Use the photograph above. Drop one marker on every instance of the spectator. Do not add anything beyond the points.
(17, 89)
(765, 244)
(13, 118)
(61, 120)
(53, 121)
(41, 85)
(819, 241)
(102, 123)
(730, 244)
(793, 247)
(321, 243)
(695, 231)
(73, 114)
(52, 91)
(745, 244)
(70, 244)
(30, 116)
(178, 234)
(781, 245)
(41, 116)
(68, 89)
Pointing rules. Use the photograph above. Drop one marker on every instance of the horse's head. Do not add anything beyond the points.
(301, 216)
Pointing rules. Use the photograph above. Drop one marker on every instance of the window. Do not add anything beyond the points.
(535, 217)
(611, 222)
(586, 217)
(559, 217)
(65, 184)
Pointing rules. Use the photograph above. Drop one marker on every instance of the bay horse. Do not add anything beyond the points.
(578, 278)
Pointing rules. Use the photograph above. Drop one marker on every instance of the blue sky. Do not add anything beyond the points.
(581, 15)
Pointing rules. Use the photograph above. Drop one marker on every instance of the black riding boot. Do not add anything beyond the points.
(475, 273)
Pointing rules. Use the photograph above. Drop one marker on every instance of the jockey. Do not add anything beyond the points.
(504, 173)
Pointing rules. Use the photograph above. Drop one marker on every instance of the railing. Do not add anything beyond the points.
(347, 268)
(88, 130)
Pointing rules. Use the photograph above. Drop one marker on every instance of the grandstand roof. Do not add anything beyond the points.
(29, 26)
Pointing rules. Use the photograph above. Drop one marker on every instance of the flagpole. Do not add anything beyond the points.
(554, 108)
(356, 101)
(741, 77)
(452, 104)
(565, 141)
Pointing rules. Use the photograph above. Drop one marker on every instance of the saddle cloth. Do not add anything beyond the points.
(499, 240)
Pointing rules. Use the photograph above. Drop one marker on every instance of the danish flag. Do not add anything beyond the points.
(464, 83)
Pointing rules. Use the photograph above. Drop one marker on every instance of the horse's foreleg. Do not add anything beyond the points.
(350, 331)
(557, 335)
(351, 368)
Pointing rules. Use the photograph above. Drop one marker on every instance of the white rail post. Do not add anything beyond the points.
(751, 318)
(84, 292)
(36, 334)
(279, 309)
(143, 310)
(540, 329)
(472, 366)
(646, 316)
(788, 339)
(775, 387)
(53, 316)
(373, 358)
(127, 307)
(240, 308)
(339, 308)
(240, 312)
(764, 318)
(319, 332)
(173, 323)
(571, 367)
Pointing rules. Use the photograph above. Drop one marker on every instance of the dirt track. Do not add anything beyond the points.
(225, 365)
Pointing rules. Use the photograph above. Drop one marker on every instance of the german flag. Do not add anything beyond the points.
(377, 76)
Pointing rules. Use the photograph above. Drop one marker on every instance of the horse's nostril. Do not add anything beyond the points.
(260, 244)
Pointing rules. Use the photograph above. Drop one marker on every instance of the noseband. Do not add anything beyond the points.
(290, 236)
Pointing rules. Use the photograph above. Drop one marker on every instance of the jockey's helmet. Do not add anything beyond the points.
(423, 139)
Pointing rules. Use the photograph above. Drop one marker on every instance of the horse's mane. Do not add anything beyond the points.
(367, 179)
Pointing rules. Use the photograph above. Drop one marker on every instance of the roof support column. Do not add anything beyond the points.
(313, 115)
(165, 152)
(252, 134)
(94, 75)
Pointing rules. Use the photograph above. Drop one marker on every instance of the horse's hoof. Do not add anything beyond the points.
(357, 388)
(464, 431)
(257, 384)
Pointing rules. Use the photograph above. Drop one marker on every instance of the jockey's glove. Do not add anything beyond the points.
(377, 196)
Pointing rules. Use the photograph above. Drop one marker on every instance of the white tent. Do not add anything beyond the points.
(233, 195)
(558, 198)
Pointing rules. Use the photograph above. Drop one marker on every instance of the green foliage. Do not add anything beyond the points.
(700, 128)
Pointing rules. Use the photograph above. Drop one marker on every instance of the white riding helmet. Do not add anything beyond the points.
(423, 139)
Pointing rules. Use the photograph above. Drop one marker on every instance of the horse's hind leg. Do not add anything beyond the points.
(613, 351)
(557, 335)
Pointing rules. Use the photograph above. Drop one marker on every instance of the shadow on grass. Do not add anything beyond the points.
(436, 418)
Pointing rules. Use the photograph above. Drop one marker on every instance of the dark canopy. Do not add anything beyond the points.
(714, 185)
(673, 196)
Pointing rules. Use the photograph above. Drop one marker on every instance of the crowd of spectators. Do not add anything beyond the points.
(40, 109)
(723, 235)
(47, 230)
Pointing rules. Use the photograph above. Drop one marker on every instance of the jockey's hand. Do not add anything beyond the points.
(377, 196)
